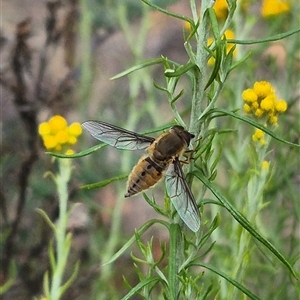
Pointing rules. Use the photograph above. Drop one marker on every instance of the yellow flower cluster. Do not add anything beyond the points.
(262, 102)
(265, 165)
(259, 136)
(274, 7)
(58, 136)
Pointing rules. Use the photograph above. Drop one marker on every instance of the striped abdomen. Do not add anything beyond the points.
(145, 174)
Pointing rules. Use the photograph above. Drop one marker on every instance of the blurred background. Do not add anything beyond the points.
(58, 57)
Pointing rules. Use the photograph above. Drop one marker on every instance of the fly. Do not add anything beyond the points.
(161, 159)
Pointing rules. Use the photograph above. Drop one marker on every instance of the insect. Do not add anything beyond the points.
(162, 158)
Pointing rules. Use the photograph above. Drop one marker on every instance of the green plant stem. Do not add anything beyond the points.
(174, 260)
(63, 241)
(200, 72)
(199, 82)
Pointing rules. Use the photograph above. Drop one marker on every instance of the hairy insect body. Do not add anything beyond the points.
(161, 153)
(162, 158)
(143, 176)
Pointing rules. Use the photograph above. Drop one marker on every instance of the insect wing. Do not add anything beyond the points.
(117, 137)
(181, 196)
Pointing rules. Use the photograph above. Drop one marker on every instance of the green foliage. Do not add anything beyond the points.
(181, 277)
(246, 192)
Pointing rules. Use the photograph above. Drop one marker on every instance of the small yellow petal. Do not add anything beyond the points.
(274, 7)
(50, 142)
(62, 136)
(262, 88)
(281, 106)
(229, 34)
(75, 129)
(258, 112)
(57, 123)
(221, 9)
(249, 96)
(265, 165)
(262, 142)
(58, 148)
(69, 152)
(267, 103)
(254, 138)
(273, 119)
(187, 25)
(44, 128)
(247, 108)
(72, 140)
(259, 133)
(255, 105)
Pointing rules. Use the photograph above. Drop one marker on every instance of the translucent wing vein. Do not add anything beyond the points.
(117, 137)
(181, 196)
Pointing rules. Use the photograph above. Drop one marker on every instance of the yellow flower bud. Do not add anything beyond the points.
(221, 9)
(259, 134)
(69, 152)
(57, 123)
(274, 7)
(273, 119)
(281, 106)
(247, 108)
(72, 140)
(262, 142)
(268, 102)
(259, 112)
(249, 96)
(262, 88)
(75, 129)
(62, 136)
(265, 165)
(44, 128)
(50, 142)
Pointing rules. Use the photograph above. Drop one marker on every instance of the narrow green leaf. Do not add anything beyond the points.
(156, 207)
(241, 61)
(217, 65)
(252, 122)
(68, 283)
(229, 279)
(177, 97)
(218, 47)
(78, 154)
(214, 23)
(46, 218)
(11, 280)
(103, 183)
(205, 294)
(52, 257)
(244, 222)
(142, 65)
(180, 70)
(46, 285)
(273, 38)
(139, 286)
(161, 274)
(187, 44)
(157, 129)
(169, 13)
(227, 63)
(140, 231)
